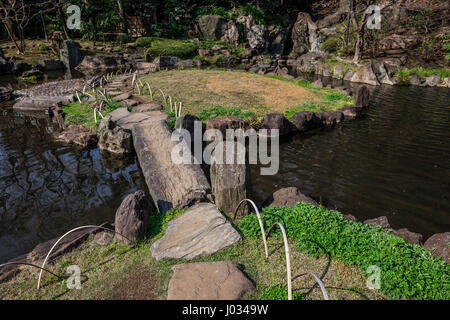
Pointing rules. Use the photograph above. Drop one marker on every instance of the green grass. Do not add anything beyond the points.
(407, 271)
(80, 114)
(30, 79)
(218, 111)
(106, 269)
(405, 73)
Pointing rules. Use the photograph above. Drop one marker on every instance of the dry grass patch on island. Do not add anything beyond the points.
(202, 89)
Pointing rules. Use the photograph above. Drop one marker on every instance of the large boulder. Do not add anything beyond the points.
(276, 121)
(365, 75)
(305, 36)
(51, 65)
(256, 37)
(330, 118)
(439, 245)
(113, 138)
(397, 44)
(215, 27)
(200, 231)
(287, 197)
(230, 180)
(276, 40)
(78, 135)
(98, 64)
(227, 122)
(171, 184)
(70, 54)
(306, 120)
(165, 61)
(132, 217)
(208, 281)
(309, 61)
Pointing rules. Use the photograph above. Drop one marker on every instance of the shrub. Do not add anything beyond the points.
(123, 38)
(144, 42)
(44, 48)
(407, 271)
(330, 45)
(168, 47)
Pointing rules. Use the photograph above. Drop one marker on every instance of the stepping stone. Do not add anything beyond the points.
(200, 231)
(148, 107)
(129, 103)
(123, 96)
(131, 119)
(171, 185)
(119, 114)
(114, 93)
(208, 281)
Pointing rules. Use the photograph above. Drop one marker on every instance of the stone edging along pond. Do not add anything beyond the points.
(112, 130)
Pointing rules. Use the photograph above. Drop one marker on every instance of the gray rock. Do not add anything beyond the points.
(98, 64)
(145, 107)
(208, 281)
(227, 122)
(308, 62)
(277, 121)
(256, 37)
(317, 84)
(132, 119)
(165, 61)
(113, 138)
(40, 103)
(306, 120)
(330, 118)
(287, 197)
(123, 96)
(365, 75)
(380, 221)
(349, 112)
(79, 135)
(230, 181)
(132, 217)
(432, 81)
(51, 64)
(185, 64)
(338, 72)
(70, 54)
(171, 185)
(439, 245)
(200, 231)
(103, 238)
(6, 94)
(118, 114)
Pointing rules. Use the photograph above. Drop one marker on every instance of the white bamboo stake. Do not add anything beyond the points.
(179, 111)
(95, 115)
(150, 91)
(139, 90)
(79, 100)
(170, 101)
(175, 110)
(164, 96)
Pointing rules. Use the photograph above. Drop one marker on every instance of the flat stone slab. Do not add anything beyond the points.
(123, 96)
(200, 231)
(133, 118)
(129, 103)
(119, 114)
(208, 281)
(170, 184)
(40, 103)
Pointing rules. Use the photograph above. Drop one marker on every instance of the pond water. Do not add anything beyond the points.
(47, 188)
(393, 161)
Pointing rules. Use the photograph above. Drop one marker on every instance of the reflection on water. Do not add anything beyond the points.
(394, 161)
(47, 188)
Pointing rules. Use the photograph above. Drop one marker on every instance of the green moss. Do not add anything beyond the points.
(406, 270)
(44, 48)
(30, 79)
(330, 45)
(168, 47)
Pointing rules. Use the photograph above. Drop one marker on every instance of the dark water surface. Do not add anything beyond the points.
(393, 161)
(47, 188)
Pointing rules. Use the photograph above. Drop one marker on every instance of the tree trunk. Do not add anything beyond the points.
(62, 21)
(122, 16)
